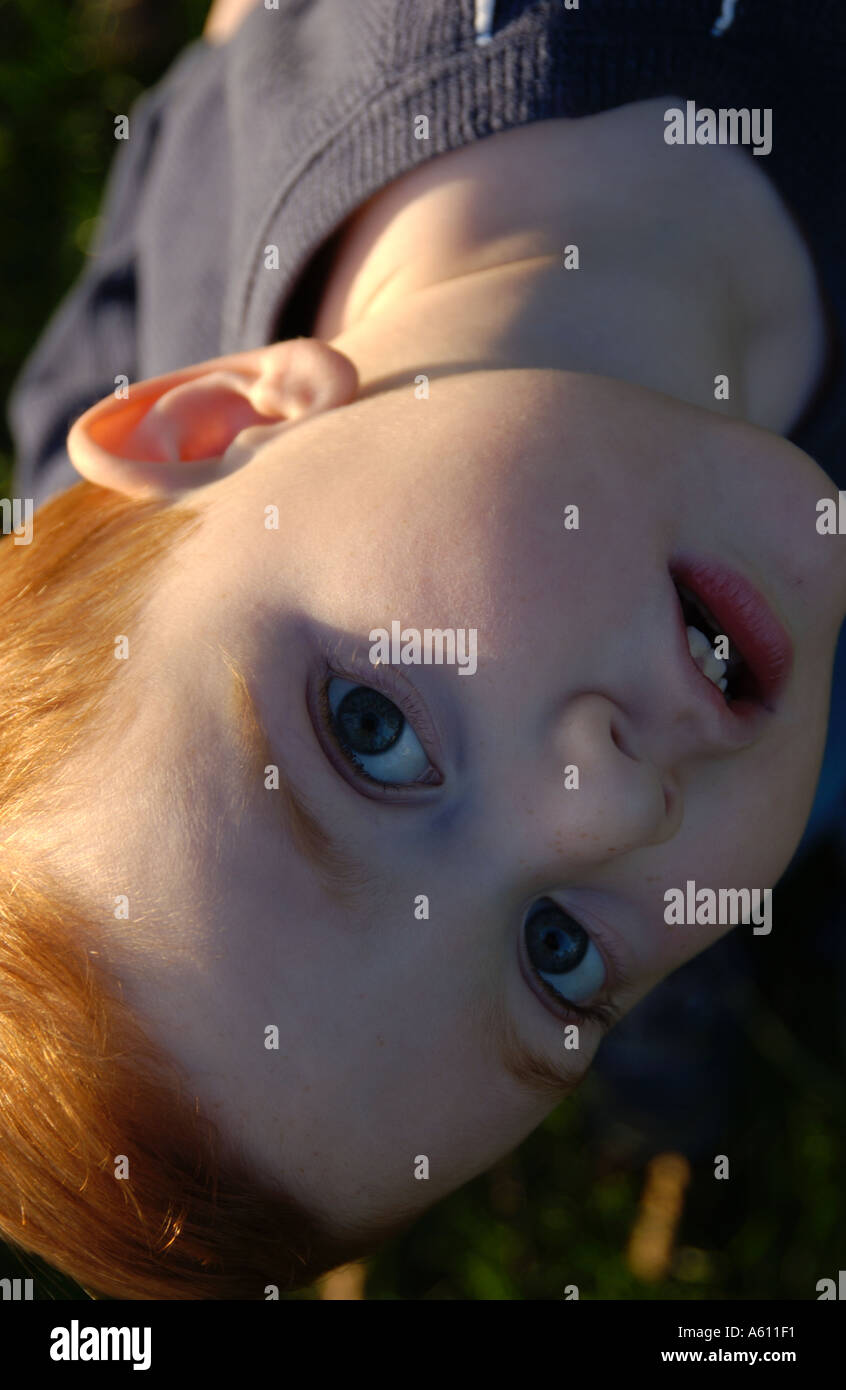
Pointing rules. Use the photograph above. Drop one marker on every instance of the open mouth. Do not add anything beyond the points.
(731, 675)
(751, 663)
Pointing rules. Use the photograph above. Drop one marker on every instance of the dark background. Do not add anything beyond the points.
(66, 70)
(561, 1210)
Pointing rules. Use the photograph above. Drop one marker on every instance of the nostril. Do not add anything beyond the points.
(618, 740)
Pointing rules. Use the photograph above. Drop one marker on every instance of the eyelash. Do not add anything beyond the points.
(605, 1015)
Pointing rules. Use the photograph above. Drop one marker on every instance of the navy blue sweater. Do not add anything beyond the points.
(278, 135)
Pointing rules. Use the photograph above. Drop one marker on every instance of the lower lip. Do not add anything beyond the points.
(745, 618)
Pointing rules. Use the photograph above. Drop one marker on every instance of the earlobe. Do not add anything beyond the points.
(171, 432)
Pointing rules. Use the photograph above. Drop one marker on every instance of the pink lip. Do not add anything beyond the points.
(745, 618)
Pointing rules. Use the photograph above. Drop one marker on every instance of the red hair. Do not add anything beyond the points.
(81, 1083)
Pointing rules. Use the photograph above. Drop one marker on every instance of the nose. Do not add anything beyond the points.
(607, 798)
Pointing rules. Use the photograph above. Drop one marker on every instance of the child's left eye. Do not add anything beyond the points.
(562, 953)
(373, 733)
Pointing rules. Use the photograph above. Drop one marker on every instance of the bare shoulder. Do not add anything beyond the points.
(224, 17)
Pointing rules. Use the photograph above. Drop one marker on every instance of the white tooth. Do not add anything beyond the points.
(702, 652)
(698, 642)
(713, 666)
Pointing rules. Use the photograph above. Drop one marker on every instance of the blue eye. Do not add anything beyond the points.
(373, 733)
(562, 953)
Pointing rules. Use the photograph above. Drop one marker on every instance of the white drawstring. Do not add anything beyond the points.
(725, 20)
(484, 20)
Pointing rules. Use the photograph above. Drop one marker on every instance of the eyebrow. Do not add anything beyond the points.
(346, 879)
(529, 1069)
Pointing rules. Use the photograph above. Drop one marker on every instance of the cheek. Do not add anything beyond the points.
(674, 936)
(744, 817)
(774, 803)
(744, 842)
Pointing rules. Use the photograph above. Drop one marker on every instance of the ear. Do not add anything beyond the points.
(172, 432)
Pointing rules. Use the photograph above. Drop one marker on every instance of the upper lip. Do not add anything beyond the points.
(752, 628)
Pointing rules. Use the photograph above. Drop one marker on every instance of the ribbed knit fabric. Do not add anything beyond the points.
(274, 138)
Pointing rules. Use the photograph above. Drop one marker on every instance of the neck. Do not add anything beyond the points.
(463, 262)
(529, 313)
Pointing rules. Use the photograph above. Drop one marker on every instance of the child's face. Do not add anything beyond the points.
(394, 1025)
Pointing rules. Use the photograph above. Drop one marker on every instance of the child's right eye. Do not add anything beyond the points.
(374, 735)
